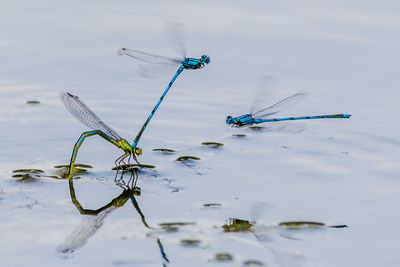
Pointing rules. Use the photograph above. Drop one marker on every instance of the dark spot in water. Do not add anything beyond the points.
(190, 243)
(212, 205)
(223, 257)
(187, 158)
(239, 135)
(212, 144)
(338, 226)
(174, 226)
(32, 102)
(252, 263)
(256, 128)
(164, 150)
(237, 225)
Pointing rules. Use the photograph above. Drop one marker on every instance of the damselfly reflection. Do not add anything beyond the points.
(94, 218)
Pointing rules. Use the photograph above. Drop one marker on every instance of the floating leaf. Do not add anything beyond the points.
(212, 144)
(239, 135)
(78, 169)
(237, 225)
(126, 167)
(252, 263)
(223, 257)
(185, 158)
(25, 178)
(28, 171)
(32, 102)
(300, 224)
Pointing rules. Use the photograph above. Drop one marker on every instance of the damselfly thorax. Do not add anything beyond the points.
(194, 63)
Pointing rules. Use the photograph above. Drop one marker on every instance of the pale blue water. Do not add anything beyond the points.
(332, 171)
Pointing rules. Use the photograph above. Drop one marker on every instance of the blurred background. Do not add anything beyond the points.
(343, 54)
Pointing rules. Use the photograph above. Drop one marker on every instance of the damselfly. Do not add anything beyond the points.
(185, 63)
(83, 113)
(260, 116)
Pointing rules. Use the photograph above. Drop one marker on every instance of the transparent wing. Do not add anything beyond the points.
(83, 113)
(277, 107)
(176, 36)
(152, 71)
(148, 57)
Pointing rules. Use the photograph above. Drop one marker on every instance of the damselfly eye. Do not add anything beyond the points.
(138, 151)
(205, 58)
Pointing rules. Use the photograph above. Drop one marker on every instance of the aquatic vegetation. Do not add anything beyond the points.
(223, 257)
(253, 263)
(212, 144)
(63, 170)
(239, 135)
(307, 224)
(28, 171)
(190, 242)
(189, 162)
(187, 158)
(79, 165)
(27, 175)
(25, 178)
(138, 166)
(165, 150)
(299, 225)
(32, 102)
(237, 225)
(31, 175)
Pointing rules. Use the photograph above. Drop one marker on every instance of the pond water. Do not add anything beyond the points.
(280, 195)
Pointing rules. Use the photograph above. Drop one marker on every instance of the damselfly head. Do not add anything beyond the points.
(229, 120)
(205, 59)
(137, 151)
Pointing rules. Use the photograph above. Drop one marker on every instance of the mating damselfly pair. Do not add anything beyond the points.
(83, 113)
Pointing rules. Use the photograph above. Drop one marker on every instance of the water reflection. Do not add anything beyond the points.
(91, 225)
(277, 237)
